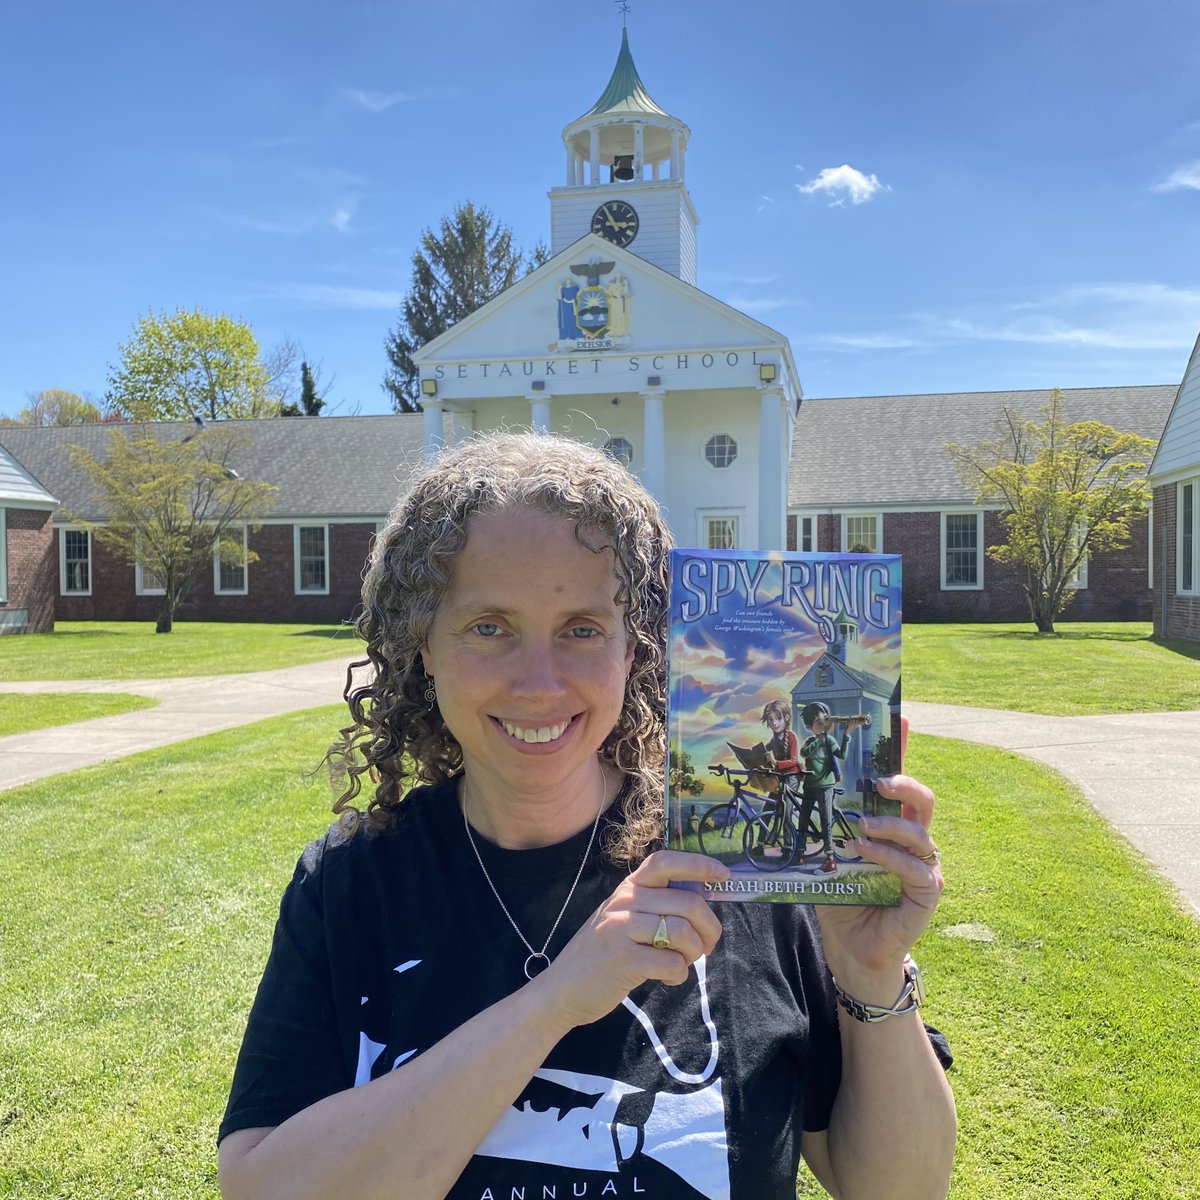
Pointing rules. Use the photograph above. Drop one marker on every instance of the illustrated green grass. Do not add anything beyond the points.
(140, 896)
(21, 713)
(1084, 668)
(132, 650)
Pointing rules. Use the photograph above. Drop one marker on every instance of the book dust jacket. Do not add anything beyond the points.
(783, 708)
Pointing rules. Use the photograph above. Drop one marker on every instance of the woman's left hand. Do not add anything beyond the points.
(873, 941)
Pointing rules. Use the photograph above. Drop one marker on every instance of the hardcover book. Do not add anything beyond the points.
(783, 709)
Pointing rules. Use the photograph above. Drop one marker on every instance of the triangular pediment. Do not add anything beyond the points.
(628, 306)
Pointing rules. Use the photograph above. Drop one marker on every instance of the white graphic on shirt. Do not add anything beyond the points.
(572, 1119)
(412, 962)
(583, 1121)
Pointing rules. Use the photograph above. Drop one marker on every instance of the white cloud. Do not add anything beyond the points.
(760, 304)
(844, 183)
(867, 341)
(323, 295)
(1185, 178)
(1110, 316)
(377, 102)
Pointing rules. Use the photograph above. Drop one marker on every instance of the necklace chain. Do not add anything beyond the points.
(537, 955)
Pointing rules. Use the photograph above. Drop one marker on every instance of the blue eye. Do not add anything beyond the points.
(486, 629)
(581, 632)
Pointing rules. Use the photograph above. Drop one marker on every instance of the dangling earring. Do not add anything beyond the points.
(430, 694)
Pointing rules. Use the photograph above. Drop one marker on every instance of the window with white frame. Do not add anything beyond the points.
(860, 532)
(720, 532)
(229, 575)
(75, 562)
(3, 554)
(620, 448)
(1187, 541)
(962, 551)
(720, 450)
(312, 559)
(146, 581)
(1078, 579)
(806, 534)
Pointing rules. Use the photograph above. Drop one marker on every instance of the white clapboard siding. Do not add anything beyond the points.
(1179, 449)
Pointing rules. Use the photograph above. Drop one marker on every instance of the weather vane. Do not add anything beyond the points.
(623, 9)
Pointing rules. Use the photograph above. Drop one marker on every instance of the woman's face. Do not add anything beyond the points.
(776, 722)
(529, 652)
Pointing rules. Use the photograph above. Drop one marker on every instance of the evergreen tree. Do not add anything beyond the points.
(311, 401)
(467, 262)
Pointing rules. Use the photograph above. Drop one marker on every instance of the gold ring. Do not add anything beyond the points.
(662, 939)
(932, 858)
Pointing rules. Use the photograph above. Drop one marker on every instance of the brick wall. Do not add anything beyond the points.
(32, 571)
(270, 594)
(1182, 612)
(1117, 586)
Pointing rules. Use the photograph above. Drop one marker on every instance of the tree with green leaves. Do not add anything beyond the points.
(54, 406)
(470, 260)
(1065, 491)
(170, 503)
(185, 364)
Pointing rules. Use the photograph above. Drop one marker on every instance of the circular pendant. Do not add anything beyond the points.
(531, 967)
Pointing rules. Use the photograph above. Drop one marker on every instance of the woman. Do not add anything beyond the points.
(487, 986)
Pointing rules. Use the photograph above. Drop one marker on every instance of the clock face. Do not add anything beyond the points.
(616, 221)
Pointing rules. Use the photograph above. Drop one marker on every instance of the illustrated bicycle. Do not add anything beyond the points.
(765, 826)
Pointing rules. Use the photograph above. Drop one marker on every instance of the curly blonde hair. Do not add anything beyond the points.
(397, 738)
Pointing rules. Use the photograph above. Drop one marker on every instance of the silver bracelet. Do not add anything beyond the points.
(913, 992)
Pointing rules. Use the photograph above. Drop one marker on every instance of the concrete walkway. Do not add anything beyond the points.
(187, 708)
(1160, 814)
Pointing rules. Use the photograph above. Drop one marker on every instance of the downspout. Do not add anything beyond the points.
(1163, 583)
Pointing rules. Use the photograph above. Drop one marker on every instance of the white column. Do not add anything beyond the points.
(433, 429)
(772, 497)
(594, 154)
(654, 442)
(639, 150)
(570, 166)
(464, 425)
(539, 414)
(676, 161)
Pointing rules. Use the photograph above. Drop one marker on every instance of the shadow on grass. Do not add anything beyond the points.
(1067, 635)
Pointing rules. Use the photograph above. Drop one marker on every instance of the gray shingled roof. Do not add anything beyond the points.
(18, 488)
(323, 466)
(862, 450)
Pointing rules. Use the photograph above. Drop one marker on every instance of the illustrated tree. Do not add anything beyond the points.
(469, 260)
(1065, 490)
(171, 503)
(54, 406)
(186, 364)
(681, 780)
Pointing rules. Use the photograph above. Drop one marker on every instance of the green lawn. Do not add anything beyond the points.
(1103, 667)
(22, 713)
(139, 899)
(132, 650)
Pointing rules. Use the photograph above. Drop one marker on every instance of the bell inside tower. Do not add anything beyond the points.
(622, 168)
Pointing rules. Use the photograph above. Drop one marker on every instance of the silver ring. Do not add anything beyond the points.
(662, 938)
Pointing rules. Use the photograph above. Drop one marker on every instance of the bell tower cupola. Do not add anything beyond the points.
(625, 176)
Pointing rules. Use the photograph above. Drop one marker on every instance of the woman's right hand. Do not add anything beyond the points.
(612, 953)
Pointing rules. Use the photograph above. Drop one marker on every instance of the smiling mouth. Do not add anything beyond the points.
(535, 733)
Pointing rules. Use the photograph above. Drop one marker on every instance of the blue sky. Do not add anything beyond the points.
(938, 195)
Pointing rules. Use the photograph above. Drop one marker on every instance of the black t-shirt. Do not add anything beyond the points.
(386, 943)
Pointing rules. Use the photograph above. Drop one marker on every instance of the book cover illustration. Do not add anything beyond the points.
(783, 708)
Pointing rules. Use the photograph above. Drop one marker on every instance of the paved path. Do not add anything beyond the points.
(1160, 816)
(187, 708)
